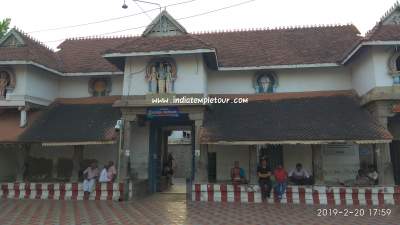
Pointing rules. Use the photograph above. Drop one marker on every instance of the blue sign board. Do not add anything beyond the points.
(160, 112)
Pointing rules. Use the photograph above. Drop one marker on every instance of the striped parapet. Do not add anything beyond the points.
(312, 195)
(62, 191)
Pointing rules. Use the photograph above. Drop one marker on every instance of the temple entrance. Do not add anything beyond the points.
(171, 158)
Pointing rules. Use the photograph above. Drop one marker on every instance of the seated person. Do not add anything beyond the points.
(299, 176)
(238, 174)
(281, 176)
(372, 175)
(361, 179)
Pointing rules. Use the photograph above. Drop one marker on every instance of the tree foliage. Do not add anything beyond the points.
(4, 26)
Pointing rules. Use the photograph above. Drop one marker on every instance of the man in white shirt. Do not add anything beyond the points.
(90, 175)
(299, 175)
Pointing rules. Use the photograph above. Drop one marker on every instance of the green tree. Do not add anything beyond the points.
(4, 26)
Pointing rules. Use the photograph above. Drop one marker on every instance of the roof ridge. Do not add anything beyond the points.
(33, 39)
(292, 27)
(370, 32)
(100, 37)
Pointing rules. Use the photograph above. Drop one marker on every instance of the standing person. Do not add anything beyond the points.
(104, 175)
(169, 168)
(264, 179)
(90, 175)
(299, 176)
(111, 172)
(281, 181)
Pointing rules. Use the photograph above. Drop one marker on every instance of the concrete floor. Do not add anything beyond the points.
(170, 209)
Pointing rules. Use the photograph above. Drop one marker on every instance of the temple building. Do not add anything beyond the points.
(323, 96)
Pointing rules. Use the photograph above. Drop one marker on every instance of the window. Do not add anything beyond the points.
(265, 82)
(100, 87)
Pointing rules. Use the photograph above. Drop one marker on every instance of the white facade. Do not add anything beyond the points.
(370, 69)
(191, 75)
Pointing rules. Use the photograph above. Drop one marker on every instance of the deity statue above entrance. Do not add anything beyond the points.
(161, 75)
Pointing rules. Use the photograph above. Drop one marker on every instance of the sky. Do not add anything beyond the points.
(36, 15)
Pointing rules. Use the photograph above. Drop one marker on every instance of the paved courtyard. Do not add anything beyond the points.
(173, 209)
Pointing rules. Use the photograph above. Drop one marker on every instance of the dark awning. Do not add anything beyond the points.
(316, 118)
(72, 122)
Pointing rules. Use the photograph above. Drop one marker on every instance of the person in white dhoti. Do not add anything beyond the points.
(104, 175)
(90, 175)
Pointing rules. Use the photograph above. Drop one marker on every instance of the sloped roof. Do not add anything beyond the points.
(255, 48)
(287, 118)
(385, 33)
(86, 55)
(166, 43)
(9, 124)
(30, 50)
(291, 46)
(75, 120)
(388, 27)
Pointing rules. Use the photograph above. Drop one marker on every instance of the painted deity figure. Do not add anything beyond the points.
(152, 79)
(264, 84)
(161, 80)
(4, 80)
(169, 77)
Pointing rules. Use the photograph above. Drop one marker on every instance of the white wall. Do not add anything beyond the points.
(340, 163)
(293, 154)
(78, 87)
(41, 84)
(191, 75)
(227, 155)
(370, 69)
(20, 84)
(294, 80)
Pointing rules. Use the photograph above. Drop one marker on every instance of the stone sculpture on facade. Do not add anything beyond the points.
(4, 82)
(161, 75)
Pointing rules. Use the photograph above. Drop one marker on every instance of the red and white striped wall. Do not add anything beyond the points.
(313, 195)
(61, 191)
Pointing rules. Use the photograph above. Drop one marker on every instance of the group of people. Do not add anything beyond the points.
(92, 174)
(367, 177)
(269, 179)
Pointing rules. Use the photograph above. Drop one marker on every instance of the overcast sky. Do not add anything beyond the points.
(35, 15)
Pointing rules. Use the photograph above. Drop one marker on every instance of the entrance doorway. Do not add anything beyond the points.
(174, 138)
(273, 153)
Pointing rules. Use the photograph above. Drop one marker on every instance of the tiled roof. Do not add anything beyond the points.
(308, 45)
(79, 120)
(9, 124)
(289, 46)
(32, 51)
(86, 55)
(169, 43)
(384, 33)
(333, 116)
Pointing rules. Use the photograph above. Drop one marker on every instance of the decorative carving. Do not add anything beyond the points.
(161, 75)
(100, 86)
(7, 81)
(394, 64)
(265, 82)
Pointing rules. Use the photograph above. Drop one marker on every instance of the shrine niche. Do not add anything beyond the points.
(265, 82)
(100, 86)
(7, 81)
(161, 75)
